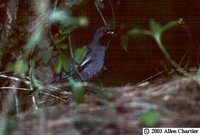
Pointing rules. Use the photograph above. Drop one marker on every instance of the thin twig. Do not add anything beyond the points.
(30, 74)
(150, 77)
(16, 99)
(103, 19)
(14, 78)
(70, 47)
(113, 13)
(182, 59)
(3, 72)
(49, 87)
(8, 88)
(54, 96)
(72, 56)
(56, 4)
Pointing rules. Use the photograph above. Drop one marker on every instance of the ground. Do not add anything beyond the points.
(176, 99)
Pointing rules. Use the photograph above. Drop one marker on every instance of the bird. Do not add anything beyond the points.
(93, 62)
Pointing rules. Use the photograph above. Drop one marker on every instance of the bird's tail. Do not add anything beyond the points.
(62, 77)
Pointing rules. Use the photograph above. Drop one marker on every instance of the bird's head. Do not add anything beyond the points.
(104, 34)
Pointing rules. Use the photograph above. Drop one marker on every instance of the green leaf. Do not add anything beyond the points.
(33, 40)
(21, 67)
(150, 118)
(124, 42)
(137, 31)
(169, 25)
(65, 20)
(155, 27)
(72, 3)
(61, 17)
(65, 62)
(59, 39)
(63, 46)
(80, 53)
(10, 67)
(58, 64)
(78, 91)
(35, 82)
(58, 16)
(62, 61)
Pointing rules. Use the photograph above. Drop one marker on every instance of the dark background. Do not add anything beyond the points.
(143, 58)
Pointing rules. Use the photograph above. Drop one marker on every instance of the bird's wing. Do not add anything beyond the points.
(85, 63)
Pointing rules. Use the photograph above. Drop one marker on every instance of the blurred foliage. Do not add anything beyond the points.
(8, 127)
(40, 40)
(149, 118)
(78, 91)
(62, 62)
(20, 67)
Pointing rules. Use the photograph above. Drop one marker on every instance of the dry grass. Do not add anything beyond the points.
(178, 100)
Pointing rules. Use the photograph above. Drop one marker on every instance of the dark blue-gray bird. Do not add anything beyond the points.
(93, 62)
